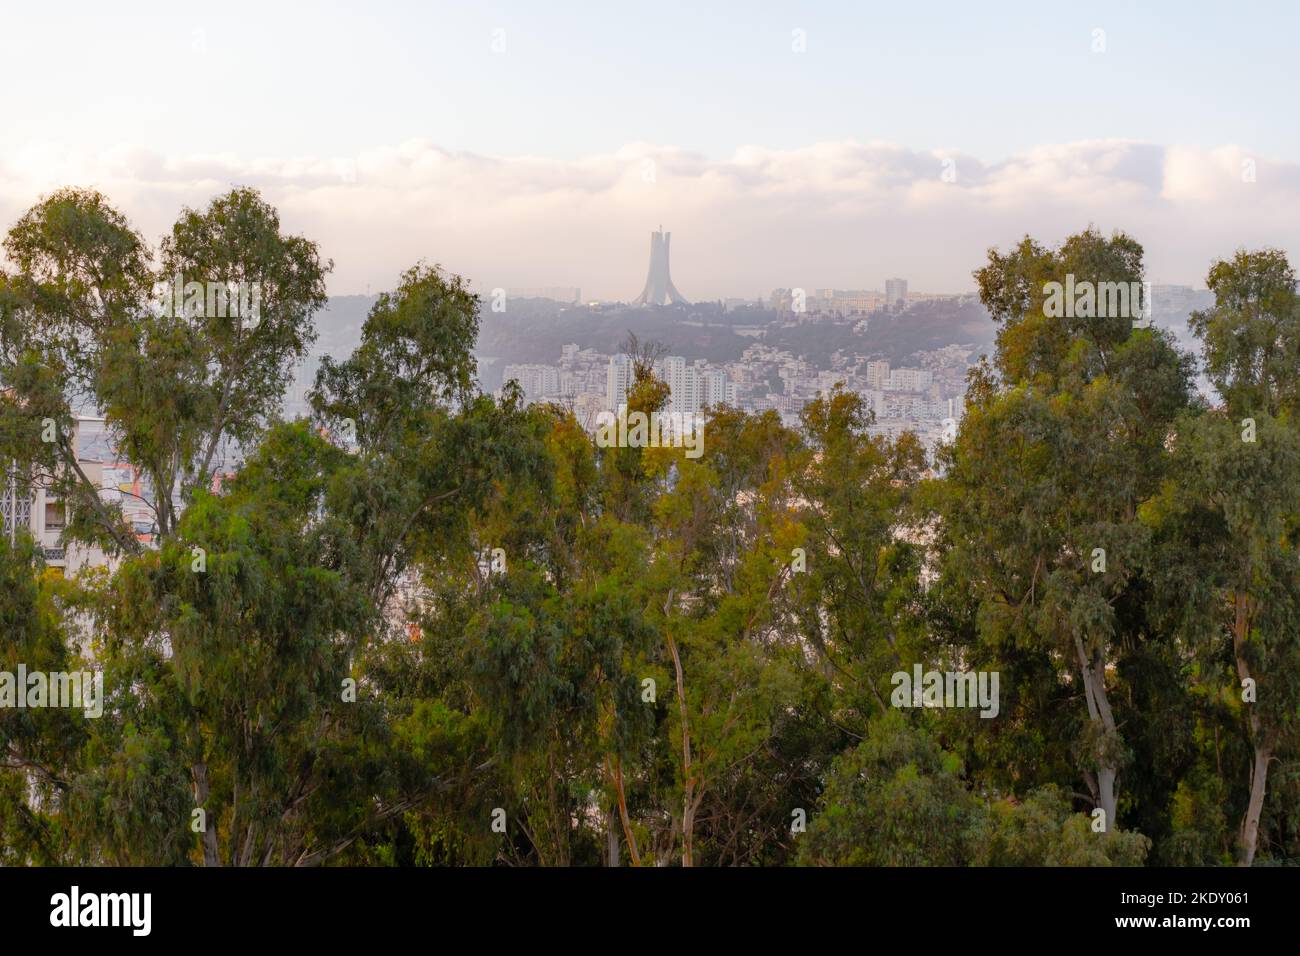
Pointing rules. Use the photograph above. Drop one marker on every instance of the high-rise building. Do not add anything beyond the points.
(878, 374)
(617, 381)
(683, 383)
(910, 379)
(716, 389)
(692, 386)
(896, 293)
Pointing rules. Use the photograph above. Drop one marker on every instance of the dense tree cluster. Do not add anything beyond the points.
(429, 626)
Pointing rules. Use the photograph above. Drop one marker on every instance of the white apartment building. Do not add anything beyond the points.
(716, 388)
(874, 399)
(691, 386)
(44, 516)
(696, 386)
(683, 384)
(877, 374)
(848, 301)
(910, 379)
(618, 380)
(537, 381)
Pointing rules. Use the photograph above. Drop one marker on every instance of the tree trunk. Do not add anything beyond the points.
(199, 777)
(628, 835)
(1093, 673)
(612, 857)
(558, 820)
(1250, 826)
(1243, 613)
(688, 780)
(1106, 793)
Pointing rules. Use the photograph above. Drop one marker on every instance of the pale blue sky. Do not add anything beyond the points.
(392, 131)
(576, 78)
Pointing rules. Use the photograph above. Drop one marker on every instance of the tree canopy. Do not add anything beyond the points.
(427, 625)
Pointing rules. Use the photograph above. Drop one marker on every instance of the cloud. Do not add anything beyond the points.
(842, 213)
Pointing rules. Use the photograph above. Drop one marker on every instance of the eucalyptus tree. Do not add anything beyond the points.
(245, 647)
(151, 340)
(1063, 440)
(1228, 524)
(859, 602)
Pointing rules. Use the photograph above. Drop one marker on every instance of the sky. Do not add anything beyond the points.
(783, 144)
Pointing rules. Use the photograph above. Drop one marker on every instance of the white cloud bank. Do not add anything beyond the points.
(844, 214)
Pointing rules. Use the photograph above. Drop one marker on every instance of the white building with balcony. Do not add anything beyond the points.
(36, 510)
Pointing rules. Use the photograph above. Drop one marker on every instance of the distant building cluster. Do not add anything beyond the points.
(693, 386)
(926, 397)
(922, 399)
(30, 506)
(577, 381)
(917, 399)
(846, 303)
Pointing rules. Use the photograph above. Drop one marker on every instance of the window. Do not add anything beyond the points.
(54, 516)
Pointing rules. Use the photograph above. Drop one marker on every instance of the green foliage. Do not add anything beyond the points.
(426, 610)
(1042, 831)
(897, 799)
